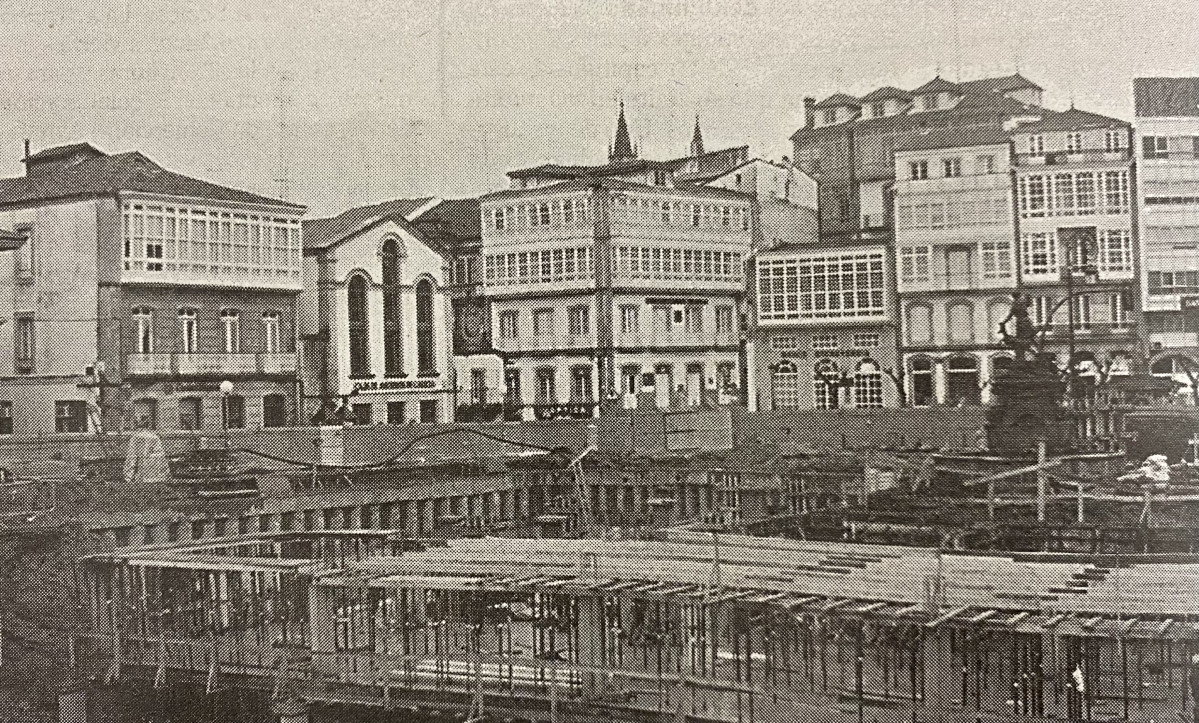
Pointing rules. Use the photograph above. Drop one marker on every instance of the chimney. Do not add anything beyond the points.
(809, 112)
(26, 150)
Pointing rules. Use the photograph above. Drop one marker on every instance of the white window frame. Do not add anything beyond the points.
(143, 329)
(1038, 254)
(187, 330)
(508, 322)
(231, 331)
(270, 331)
(915, 264)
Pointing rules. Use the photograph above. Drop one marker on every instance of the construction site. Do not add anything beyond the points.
(706, 565)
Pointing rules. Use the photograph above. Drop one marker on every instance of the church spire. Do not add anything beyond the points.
(697, 139)
(622, 149)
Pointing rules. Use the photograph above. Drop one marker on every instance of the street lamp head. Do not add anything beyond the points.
(226, 387)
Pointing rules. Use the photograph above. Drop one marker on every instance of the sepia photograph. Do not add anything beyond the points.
(599, 361)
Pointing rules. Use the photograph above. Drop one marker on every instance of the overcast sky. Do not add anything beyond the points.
(341, 102)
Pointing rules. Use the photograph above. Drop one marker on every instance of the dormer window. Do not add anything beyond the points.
(878, 110)
(1073, 142)
(830, 115)
(659, 178)
(1036, 145)
(931, 102)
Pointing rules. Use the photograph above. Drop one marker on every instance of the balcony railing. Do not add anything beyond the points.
(545, 342)
(1061, 329)
(954, 282)
(165, 364)
(676, 338)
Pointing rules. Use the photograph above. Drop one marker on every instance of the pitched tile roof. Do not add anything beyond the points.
(129, 172)
(613, 168)
(836, 100)
(981, 105)
(937, 85)
(887, 92)
(452, 223)
(1070, 120)
(63, 151)
(321, 233)
(1166, 97)
(1003, 84)
(955, 138)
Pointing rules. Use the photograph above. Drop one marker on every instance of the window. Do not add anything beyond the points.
(580, 384)
(543, 322)
(274, 410)
(984, 165)
(508, 324)
(878, 110)
(5, 418)
(231, 330)
(724, 376)
(830, 115)
(659, 178)
(363, 413)
(785, 386)
(960, 322)
(828, 286)
(539, 214)
(1115, 191)
(693, 318)
(358, 328)
(1173, 282)
(1082, 313)
(1154, 147)
(143, 330)
(1033, 197)
(1073, 142)
(512, 391)
(70, 416)
(961, 381)
(784, 342)
(1039, 253)
(996, 259)
(24, 343)
(145, 413)
(919, 323)
(270, 332)
(187, 331)
(393, 333)
(499, 219)
(914, 263)
(629, 321)
(568, 212)
(578, 320)
(953, 167)
(918, 170)
(395, 413)
(190, 413)
(1113, 140)
(724, 320)
(234, 408)
(545, 393)
(931, 101)
(478, 386)
(630, 379)
(1115, 250)
(665, 207)
(825, 384)
(922, 382)
(824, 342)
(1043, 311)
(426, 358)
(868, 385)
(427, 409)
(695, 215)
(865, 340)
(726, 216)
(1036, 145)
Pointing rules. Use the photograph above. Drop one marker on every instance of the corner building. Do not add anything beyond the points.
(137, 291)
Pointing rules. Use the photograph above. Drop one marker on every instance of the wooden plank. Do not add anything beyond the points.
(946, 617)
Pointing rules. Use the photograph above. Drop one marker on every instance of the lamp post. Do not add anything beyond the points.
(1081, 248)
(226, 388)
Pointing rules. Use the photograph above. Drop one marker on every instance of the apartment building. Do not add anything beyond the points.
(956, 263)
(616, 283)
(1077, 241)
(141, 296)
(1167, 150)
(376, 317)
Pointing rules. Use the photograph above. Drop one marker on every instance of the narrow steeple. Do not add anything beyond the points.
(697, 139)
(622, 149)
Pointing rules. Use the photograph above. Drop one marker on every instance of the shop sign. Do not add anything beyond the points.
(394, 385)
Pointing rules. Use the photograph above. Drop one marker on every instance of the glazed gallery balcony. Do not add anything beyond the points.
(209, 365)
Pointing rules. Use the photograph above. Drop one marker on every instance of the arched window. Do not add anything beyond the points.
(826, 379)
(426, 360)
(143, 329)
(960, 318)
(923, 392)
(961, 386)
(868, 385)
(393, 331)
(359, 328)
(920, 324)
(785, 386)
